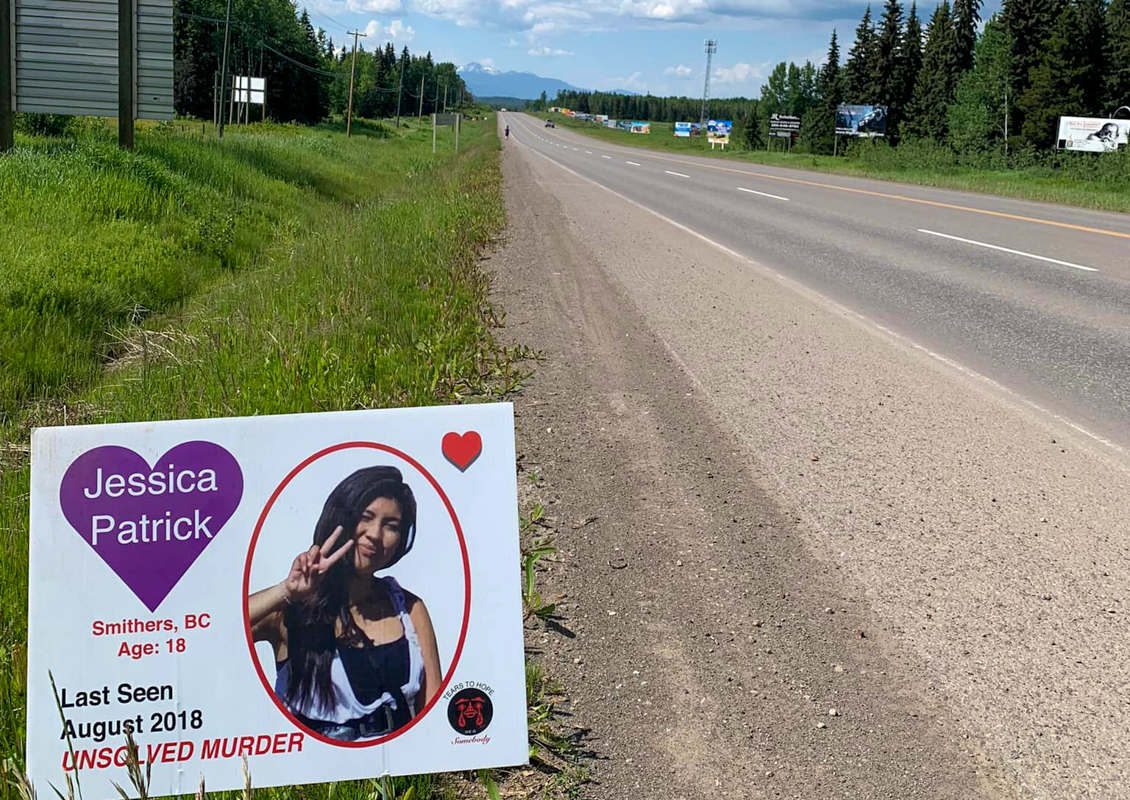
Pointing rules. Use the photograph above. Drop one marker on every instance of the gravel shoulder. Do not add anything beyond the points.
(710, 647)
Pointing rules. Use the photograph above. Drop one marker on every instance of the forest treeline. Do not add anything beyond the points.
(950, 81)
(306, 69)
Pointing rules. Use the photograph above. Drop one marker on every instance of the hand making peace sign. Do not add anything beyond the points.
(308, 568)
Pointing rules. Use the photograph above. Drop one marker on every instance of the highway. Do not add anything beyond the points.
(1034, 296)
(847, 464)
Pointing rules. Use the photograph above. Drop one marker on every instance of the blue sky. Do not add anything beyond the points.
(638, 45)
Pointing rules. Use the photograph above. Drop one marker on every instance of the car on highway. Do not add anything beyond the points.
(549, 124)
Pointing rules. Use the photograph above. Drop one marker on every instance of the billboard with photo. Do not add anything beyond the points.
(718, 130)
(863, 121)
(332, 596)
(1092, 135)
(682, 129)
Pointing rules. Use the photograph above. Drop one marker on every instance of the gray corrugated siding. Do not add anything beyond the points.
(67, 57)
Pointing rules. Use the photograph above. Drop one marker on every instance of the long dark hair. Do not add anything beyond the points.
(312, 624)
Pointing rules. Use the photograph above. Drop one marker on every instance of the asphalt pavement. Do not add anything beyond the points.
(821, 444)
(1033, 296)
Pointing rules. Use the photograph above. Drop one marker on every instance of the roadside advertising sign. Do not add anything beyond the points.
(249, 90)
(718, 130)
(784, 125)
(1092, 135)
(683, 129)
(332, 596)
(863, 121)
(640, 127)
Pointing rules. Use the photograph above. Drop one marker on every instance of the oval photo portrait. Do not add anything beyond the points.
(356, 594)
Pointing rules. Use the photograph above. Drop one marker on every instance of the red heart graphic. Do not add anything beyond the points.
(462, 450)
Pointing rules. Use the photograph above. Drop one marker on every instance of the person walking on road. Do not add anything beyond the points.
(507, 131)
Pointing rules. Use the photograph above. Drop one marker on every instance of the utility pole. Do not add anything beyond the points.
(399, 92)
(1006, 122)
(352, 70)
(711, 47)
(224, 71)
(420, 108)
(445, 97)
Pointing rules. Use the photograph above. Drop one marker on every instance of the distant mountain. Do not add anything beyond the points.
(490, 82)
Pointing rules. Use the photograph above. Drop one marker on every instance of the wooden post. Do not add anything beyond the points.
(7, 79)
(125, 74)
(352, 71)
(420, 108)
(458, 116)
(224, 73)
(433, 134)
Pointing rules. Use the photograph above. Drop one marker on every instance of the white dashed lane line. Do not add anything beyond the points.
(604, 156)
(1009, 250)
(763, 194)
(633, 163)
(589, 152)
(677, 174)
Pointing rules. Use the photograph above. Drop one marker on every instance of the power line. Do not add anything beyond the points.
(328, 17)
(262, 41)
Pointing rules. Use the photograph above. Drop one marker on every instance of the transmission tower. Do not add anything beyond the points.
(711, 47)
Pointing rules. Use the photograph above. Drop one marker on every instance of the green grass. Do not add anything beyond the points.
(96, 238)
(1076, 179)
(285, 270)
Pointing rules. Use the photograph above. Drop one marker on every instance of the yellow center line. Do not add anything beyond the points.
(884, 195)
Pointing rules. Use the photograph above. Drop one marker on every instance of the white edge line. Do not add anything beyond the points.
(681, 175)
(1009, 250)
(1017, 398)
(633, 163)
(763, 194)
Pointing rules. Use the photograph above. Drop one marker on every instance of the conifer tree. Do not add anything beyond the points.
(1054, 87)
(926, 114)
(889, 60)
(859, 71)
(911, 55)
(1118, 54)
(819, 125)
(1092, 48)
(965, 18)
(1028, 24)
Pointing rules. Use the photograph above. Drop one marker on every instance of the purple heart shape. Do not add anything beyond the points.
(150, 524)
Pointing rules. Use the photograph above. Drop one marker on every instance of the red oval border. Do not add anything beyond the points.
(466, 593)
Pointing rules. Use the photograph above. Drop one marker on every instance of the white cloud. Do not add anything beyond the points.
(545, 16)
(513, 42)
(377, 6)
(548, 52)
(680, 71)
(401, 32)
(739, 73)
(396, 30)
(633, 82)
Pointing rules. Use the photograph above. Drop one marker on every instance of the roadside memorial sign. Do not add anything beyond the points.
(189, 582)
(862, 121)
(784, 125)
(718, 132)
(1091, 135)
(449, 120)
(683, 129)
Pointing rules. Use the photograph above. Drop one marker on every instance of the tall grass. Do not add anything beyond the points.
(96, 238)
(1087, 180)
(297, 271)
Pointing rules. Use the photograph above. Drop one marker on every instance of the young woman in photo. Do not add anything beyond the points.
(356, 655)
